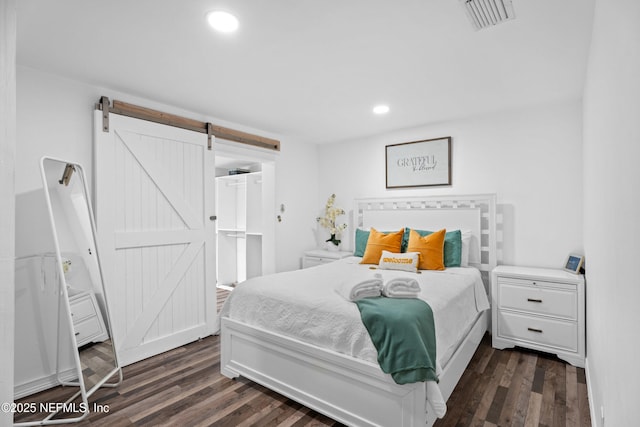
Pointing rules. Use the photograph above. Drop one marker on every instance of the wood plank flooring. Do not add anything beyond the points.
(184, 387)
(518, 388)
(221, 295)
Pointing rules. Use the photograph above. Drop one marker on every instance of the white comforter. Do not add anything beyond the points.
(304, 304)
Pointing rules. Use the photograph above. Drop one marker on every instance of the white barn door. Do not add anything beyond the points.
(154, 193)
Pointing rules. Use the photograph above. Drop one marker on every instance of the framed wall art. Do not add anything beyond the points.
(419, 163)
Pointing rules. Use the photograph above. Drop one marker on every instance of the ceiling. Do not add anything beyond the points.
(311, 70)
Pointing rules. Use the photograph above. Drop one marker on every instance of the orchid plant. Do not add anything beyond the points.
(328, 221)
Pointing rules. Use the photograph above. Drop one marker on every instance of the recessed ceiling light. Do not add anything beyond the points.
(222, 21)
(381, 109)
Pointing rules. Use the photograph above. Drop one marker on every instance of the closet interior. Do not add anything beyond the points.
(239, 225)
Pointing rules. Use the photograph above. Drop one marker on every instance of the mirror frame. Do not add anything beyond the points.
(83, 393)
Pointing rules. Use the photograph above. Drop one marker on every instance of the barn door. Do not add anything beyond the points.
(154, 191)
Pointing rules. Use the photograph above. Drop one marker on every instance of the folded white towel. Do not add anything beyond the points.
(360, 286)
(401, 287)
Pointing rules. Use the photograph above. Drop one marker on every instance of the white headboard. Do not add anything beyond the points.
(475, 212)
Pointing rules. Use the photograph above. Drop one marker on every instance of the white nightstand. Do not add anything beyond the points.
(541, 309)
(87, 319)
(322, 256)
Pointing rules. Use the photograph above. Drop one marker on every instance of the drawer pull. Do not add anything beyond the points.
(535, 330)
(534, 300)
(77, 333)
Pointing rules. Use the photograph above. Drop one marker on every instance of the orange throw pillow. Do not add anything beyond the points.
(431, 249)
(379, 242)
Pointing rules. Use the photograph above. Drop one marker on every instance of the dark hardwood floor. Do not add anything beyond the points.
(221, 297)
(184, 387)
(518, 388)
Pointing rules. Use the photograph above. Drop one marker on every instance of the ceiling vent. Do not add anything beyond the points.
(486, 13)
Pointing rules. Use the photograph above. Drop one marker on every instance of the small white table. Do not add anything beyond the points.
(541, 309)
(322, 256)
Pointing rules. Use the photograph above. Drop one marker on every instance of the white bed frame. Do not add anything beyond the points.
(353, 391)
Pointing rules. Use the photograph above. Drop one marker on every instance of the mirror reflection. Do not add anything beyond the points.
(66, 187)
(72, 281)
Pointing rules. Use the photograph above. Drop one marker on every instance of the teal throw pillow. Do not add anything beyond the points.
(362, 237)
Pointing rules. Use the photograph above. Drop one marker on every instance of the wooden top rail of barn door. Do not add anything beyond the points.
(156, 116)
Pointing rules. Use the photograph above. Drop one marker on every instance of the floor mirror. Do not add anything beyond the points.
(84, 322)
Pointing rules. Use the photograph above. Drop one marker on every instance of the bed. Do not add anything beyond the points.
(329, 364)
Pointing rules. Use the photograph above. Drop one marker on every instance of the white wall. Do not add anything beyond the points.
(55, 118)
(7, 198)
(297, 178)
(530, 158)
(612, 211)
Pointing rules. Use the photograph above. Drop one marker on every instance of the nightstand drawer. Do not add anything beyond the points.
(535, 299)
(554, 333)
(82, 308)
(312, 261)
(87, 330)
(320, 256)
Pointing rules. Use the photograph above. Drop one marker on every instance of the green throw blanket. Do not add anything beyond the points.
(403, 332)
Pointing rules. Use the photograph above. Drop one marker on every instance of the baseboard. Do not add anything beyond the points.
(41, 384)
(595, 419)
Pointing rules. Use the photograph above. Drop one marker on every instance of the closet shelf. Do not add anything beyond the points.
(240, 230)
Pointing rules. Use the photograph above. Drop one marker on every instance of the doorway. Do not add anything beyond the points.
(245, 210)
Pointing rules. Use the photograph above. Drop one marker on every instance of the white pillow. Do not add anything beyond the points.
(407, 261)
(466, 241)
